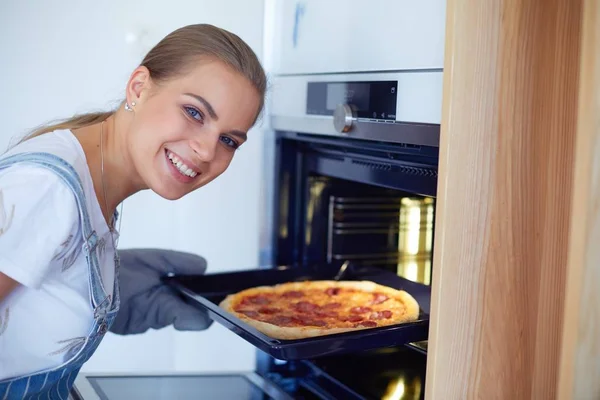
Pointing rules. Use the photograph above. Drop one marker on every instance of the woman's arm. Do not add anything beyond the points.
(7, 285)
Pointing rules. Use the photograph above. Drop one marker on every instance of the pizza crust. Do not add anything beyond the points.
(411, 307)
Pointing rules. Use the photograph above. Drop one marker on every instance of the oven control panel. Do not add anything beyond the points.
(393, 106)
(374, 100)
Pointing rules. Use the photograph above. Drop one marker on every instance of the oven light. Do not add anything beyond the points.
(429, 226)
(418, 270)
(409, 238)
(316, 190)
(412, 271)
(395, 390)
(427, 271)
(413, 230)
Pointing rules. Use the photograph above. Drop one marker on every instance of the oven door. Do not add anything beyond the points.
(243, 386)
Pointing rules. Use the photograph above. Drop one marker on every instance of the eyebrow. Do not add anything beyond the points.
(239, 134)
(211, 111)
(209, 108)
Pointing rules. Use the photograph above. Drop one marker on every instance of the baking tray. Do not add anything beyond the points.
(207, 291)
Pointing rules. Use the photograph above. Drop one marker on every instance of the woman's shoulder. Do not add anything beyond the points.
(28, 184)
(60, 143)
(35, 189)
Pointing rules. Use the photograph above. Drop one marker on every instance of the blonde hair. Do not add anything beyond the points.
(173, 55)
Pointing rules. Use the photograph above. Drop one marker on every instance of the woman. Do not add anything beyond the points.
(187, 109)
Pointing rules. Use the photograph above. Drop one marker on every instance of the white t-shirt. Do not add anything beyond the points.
(41, 248)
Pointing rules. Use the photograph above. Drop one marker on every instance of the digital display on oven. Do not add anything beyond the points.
(372, 100)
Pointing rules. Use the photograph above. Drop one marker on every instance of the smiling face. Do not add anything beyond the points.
(184, 132)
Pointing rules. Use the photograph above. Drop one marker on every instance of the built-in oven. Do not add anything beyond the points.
(355, 181)
(351, 195)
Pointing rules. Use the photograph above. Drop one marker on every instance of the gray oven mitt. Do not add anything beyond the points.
(146, 302)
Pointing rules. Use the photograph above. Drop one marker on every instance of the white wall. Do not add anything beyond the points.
(74, 56)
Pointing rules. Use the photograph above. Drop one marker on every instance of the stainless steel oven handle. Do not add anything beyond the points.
(418, 134)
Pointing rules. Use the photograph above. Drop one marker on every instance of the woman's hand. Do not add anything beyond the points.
(146, 302)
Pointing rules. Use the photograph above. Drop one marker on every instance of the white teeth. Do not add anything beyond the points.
(184, 169)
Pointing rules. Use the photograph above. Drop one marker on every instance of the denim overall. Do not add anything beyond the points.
(56, 383)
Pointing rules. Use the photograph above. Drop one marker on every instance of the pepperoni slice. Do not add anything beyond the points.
(381, 315)
(331, 306)
(325, 313)
(369, 324)
(248, 313)
(305, 306)
(351, 318)
(379, 298)
(360, 310)
(355, 318)
(258, 300)
(268, 310)
(332, 291)
(293, 294)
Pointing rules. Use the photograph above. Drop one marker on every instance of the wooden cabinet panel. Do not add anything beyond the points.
(580, 361)
(504, 198)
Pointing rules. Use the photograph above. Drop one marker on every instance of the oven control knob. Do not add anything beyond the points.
(343, 118)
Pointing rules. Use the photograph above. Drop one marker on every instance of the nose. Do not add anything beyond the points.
(205, 146)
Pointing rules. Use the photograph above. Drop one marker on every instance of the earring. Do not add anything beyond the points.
(127, 107)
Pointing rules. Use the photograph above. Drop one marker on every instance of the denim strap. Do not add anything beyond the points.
(100, 301)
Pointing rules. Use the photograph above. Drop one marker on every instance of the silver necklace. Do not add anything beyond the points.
(110, 226)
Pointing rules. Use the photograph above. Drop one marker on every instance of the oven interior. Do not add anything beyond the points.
(370, 226)
(370, 203)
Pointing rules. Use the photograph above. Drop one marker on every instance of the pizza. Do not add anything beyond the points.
(297, 310)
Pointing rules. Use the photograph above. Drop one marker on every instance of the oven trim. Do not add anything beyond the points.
(419, 134)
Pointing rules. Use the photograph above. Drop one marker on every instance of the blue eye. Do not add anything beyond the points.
(229, 142)
(192, 112)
